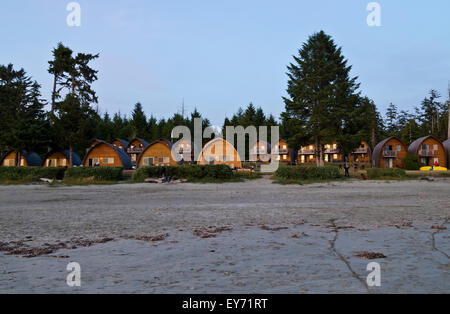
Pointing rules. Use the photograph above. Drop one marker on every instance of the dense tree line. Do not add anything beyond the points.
(323, 105)
(431, 117)
(72, 122)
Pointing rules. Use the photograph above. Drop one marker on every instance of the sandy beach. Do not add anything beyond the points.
(250, 237)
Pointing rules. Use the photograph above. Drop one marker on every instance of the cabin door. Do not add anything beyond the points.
(390, 163)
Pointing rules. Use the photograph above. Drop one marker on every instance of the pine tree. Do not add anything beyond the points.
(75, 78)
(322, 96)
(60, 66)
(391, 120)
(23, 124)
(139, 122)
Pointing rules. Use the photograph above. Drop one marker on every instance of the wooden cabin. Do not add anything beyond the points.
(390, 153)
(135, 148)
(106, 155)
(122, 144)
(261, 151)
(307, 154)
(183, 151)
(430, 150)
(362, 154)
(332, 153)
(282, 153)
(158, 153)
(447, 148)
(25, 159)
(219, 152)
(61, 158)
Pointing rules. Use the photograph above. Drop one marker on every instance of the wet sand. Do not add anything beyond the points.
(278, 239)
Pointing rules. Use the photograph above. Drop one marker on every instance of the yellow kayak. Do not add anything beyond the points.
(434, 169)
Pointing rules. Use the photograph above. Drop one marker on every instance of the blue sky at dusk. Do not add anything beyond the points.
(220, 55)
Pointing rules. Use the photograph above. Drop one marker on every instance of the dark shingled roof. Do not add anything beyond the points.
(162, 141)
(76, 160)
(32, 159)
(447, 148)
(414, 147)
(124, 143)
(144, 142)
(376, 156)
(124, 158)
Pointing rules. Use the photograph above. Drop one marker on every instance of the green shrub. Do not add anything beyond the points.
(248, 175)
(189, 172)
(308, 173)
(31, 173)
(98, 173)
(412, 162)
(377, 173)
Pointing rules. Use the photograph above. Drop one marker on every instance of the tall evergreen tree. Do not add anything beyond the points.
(59, 67)
(322, 96)
(73, 119)
(391, 120)
(23, 125)
(139, 121)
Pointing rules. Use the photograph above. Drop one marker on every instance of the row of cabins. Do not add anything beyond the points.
(390, 153)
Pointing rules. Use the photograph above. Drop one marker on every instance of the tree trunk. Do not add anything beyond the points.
(321, 162)
(16, 161)
(70, 156)
(316, 143)
(54, 94)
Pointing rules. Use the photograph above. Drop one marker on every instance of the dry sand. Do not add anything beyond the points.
(282, 239)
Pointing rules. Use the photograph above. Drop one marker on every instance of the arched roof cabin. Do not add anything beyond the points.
(106, 155)
(430, 151)
(219, 152)
(447, 149)
(389, 153)
(61, 158)
(158, 153)
(25, 159)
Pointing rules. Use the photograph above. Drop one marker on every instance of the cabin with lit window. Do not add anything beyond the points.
(183, 151)
(430, 151)
(333, 153)
(260, 152)
(135, 148)
(390, 153)
(362, 154)
(25, 159)
(122, 144)
(61, 158)
(104, 154)
(220, 152)
(158, 153)
(307, 154)
(447, 149)
(282, 153)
